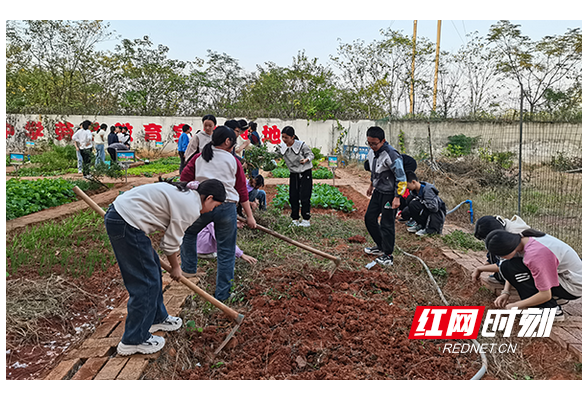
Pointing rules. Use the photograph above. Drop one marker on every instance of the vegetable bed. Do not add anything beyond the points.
(323, 196)
(24, 197)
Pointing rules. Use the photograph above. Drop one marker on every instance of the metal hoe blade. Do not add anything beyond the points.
(230, 335)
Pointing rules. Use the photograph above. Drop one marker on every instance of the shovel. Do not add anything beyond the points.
(229, 312)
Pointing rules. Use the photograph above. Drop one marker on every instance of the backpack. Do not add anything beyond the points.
(254, 138)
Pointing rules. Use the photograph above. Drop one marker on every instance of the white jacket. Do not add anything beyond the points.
(160, 207)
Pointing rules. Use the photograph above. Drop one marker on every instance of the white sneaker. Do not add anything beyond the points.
(305, 223)
(295, 222)
(374, 251)
(559, 315)
(421, 232)
(414, 228)
(386, 261)
(207, 256)
(170, 324)
(150, 346)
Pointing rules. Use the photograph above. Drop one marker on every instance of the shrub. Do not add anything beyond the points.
(460, 145)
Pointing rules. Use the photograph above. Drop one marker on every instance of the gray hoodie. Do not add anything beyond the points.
(429, 196)
(293, 154)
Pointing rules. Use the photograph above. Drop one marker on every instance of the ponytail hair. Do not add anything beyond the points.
(209, 187)
(219, 136)
(288, 130)
(214, 188)
(532, 233)
(501, 243)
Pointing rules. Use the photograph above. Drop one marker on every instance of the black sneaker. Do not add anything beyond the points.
(559, 315)
(385, 261)
(374, 251)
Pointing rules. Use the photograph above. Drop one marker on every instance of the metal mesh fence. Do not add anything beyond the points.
(481, 162)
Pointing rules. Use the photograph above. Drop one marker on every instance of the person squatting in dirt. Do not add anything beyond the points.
(254, 186)
(298, 158)
(207, 245)
(425, 208)
(163, 206)
(484, 226)
(548, 274)
(217, 161)
(387, 186)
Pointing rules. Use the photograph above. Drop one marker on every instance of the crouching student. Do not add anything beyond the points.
(548, 274)
(426, 208)
(163, 206)
(206, 243)
(483, 227)
(254, 186)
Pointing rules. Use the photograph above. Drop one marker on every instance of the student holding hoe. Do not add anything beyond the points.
(164, 206)
(217, 161)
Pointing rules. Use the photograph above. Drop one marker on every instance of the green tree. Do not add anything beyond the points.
(477, 65)
(223, 81)
(305, 89)
(51, 65)
(377, 75)
(553, 62)
(152, 83)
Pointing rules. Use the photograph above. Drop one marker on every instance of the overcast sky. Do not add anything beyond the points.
(257, 41)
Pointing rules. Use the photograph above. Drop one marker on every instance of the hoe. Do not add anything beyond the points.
(229, 312)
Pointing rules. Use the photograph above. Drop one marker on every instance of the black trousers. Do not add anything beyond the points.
(182, 160)
(519, 276)
(421, 215)
(300, 192)
(86, 160)
(383, 233)
(112, 153)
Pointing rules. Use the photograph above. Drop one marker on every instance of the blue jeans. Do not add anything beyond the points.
(225, 229)
(258, 194)
(100, 156)
(141, 272)
(80, 160)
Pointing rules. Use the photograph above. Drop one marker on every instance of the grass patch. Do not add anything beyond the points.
(77, 245)
(463, 241)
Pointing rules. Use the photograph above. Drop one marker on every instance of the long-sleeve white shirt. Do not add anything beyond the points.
(160, 207)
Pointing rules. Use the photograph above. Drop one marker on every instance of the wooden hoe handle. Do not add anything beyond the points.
(234, 315)
(337, 260)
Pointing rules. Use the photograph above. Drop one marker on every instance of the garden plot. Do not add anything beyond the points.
(306, 320)
(303, 318)
(63, 279)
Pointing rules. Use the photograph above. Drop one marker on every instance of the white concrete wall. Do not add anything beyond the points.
(540, 141)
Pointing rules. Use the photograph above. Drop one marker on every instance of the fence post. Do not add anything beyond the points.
(520, 150)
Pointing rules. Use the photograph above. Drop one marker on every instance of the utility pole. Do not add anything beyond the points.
(412, 74)
(436, 65)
